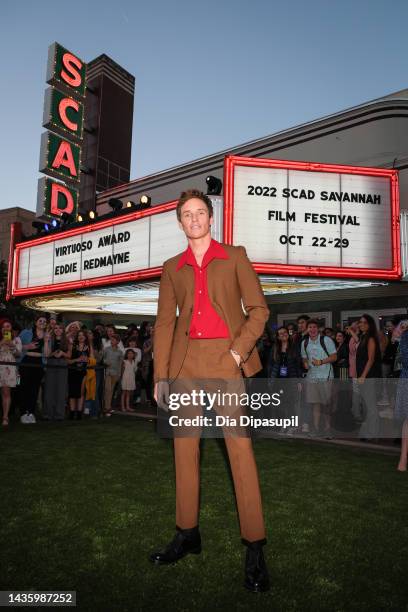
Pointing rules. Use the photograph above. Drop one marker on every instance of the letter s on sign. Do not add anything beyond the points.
(71, 74)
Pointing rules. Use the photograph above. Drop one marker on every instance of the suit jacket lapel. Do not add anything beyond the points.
(185, 279)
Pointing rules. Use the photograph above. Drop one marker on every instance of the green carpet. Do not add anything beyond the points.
(82, 505)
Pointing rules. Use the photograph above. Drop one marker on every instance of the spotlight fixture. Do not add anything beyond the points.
(40, 226)
(214, 185)
(115, 204)
(130, 204)
(89, 216)
(54, 224)
(66, 218)
(145, 200)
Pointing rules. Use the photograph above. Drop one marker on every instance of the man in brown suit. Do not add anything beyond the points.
(211, 339)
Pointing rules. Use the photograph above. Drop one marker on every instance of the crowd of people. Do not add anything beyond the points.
(56, 371)
(71, 370)
(360, 353)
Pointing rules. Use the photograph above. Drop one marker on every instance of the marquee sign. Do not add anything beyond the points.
(126, 248)
(309, 219)
(60, 156)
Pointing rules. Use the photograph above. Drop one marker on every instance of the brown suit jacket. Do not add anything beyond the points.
(229, 281)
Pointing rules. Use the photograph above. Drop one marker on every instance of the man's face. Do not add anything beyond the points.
(301, 325)
(313, 330)
(195, 220)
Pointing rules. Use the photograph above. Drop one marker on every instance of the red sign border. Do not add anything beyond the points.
(124, 277)
(393, 273)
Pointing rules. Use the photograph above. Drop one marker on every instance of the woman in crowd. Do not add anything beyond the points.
(284, 363)
(401, 404)
(78, 359)
(71, 330)
(110, 332)
(354, 339)
(57, 352)
(94, 376)
(132, 344)
(341, 366)
(146, 333)
(10, 348)
(128, 382)
(31, 367)
(342, 392)
(388, 353)
(368, 368)
(133, 334)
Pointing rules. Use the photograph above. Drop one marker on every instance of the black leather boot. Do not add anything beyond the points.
(256, 572)
(184, 542)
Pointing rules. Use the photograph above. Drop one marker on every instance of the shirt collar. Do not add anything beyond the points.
(214, 251)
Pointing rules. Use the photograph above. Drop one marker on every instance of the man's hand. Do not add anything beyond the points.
(161, 394)
(236, 356)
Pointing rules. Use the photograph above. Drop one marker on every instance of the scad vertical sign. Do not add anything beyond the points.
(61, 144)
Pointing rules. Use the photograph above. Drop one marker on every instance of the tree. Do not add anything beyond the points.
(12, 309)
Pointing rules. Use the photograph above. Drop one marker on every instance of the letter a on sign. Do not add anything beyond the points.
(59, 158)
(64, 157)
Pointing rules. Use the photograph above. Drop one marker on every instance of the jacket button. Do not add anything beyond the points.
(186, 333)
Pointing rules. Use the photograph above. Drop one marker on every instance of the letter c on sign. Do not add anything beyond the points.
(62, 110)
(71, 74)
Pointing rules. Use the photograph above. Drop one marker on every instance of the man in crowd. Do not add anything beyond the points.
(304, 408)
(318, 354)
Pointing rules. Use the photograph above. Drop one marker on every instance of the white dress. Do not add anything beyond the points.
(8, 373)
(128, 376)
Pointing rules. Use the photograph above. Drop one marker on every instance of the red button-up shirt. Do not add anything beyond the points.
(205, 321)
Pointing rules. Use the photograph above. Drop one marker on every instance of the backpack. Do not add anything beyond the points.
(322, 342)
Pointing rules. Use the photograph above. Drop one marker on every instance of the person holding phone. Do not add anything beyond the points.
(9, 349)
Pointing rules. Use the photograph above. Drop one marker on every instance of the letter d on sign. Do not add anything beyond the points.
(55, 198)
(62, 200)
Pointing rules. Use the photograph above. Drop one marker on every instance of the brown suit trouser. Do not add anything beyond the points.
(211, 360)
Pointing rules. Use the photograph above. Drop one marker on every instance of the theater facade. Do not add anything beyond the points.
(320, 208)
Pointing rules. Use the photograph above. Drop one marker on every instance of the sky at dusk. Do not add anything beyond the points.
(209, 75)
